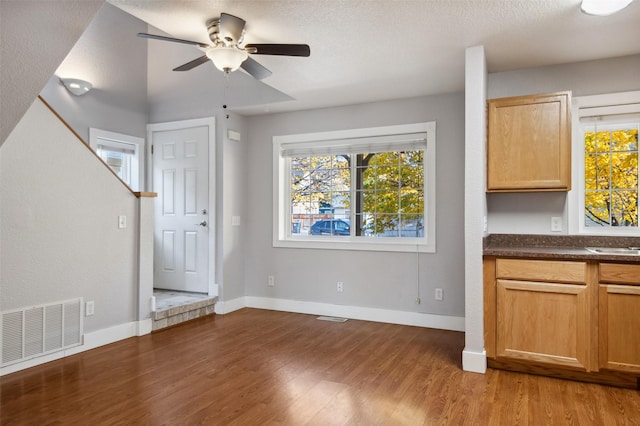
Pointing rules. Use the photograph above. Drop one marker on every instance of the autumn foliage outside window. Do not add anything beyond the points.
(383, 192)
(357, 189)
(611, 175)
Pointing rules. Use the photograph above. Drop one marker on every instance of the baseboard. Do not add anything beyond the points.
(228, 306)
(417, 319)
(91, 341)
(475, 362)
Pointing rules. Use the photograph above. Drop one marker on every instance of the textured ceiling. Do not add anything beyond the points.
(370, 50)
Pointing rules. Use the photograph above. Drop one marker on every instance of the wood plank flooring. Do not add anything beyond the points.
(255, 367)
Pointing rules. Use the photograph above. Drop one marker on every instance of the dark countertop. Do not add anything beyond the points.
(560, 247)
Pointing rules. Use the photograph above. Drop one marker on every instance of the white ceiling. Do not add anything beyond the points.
(371, 50)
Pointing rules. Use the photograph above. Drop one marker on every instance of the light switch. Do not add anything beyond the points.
(122, 221)
(235, 221)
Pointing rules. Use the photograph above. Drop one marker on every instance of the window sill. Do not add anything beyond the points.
(407, 245)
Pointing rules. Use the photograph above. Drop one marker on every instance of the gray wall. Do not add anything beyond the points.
(232, 193)
(59, 224)
(36, 35)
(371, 279)
(530, 213)
(60, 204)
(114, 60)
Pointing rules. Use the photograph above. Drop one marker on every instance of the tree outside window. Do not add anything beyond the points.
(611, 176)
(387, 190)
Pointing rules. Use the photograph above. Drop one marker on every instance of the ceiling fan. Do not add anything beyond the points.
(227, 51)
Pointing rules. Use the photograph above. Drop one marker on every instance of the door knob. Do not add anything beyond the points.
(203, 223)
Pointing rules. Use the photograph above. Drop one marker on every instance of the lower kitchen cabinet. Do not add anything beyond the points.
(572, 319)
(619, 317)
(543, 322)
(543, 312)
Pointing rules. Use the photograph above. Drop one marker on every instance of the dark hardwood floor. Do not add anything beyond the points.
(255, 367)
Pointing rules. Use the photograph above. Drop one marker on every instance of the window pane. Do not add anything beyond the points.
(320, 192)
(597, 171)
(624, 210)
(590, 172)
(624, 140)
(392, 185)
(624, 173)
(411, 201)
(596, 209)
(602, 141)
(412, 226)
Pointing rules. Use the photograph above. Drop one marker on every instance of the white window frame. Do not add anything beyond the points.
(586, 106)
(107, 138)
(282, 236)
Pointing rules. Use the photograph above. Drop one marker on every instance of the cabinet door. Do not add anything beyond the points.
(529, 143)
(619, 314)
(543, 322)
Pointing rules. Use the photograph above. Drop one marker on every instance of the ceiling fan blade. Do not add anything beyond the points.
(192, 64)
(231, 26)
(175, 40)
(254, 68)
(280, 49)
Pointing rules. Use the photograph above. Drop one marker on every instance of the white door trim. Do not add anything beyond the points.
(210, 122)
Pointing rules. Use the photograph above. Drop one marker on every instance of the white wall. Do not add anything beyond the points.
(521, 213)
(114, 60)
(36, 35)
(371, 279)
(59, 224)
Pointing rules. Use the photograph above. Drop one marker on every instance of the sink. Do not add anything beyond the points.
(624, 251)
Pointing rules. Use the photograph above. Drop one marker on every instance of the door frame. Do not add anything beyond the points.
(210, 122)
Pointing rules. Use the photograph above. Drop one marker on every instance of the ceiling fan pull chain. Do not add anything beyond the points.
(224, 94)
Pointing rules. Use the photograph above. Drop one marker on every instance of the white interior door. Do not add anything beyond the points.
(182, 219)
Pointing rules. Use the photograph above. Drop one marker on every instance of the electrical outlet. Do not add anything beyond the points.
(271, 281)
(339, 286)
(439, 294)
(556, 224)
(88, 308)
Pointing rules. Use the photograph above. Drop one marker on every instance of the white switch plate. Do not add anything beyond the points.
(122, 221)
(556, 224)
(235, 220)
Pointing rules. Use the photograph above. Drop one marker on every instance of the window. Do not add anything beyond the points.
(123, 153)
(607, 146)
(369, 189)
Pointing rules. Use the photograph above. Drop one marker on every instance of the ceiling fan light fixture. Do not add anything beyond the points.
(227, 59)
(603, 7)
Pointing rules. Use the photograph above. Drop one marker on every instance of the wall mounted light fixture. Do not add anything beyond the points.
(603, 7)
(76, 86)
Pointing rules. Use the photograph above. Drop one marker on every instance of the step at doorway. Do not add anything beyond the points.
(175, 307)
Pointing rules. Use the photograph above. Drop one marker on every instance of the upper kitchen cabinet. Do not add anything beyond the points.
(529, 143)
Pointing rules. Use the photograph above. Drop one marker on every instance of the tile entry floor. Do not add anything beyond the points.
(168, 299)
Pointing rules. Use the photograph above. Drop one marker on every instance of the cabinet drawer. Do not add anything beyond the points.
(542, 270)
(619, 273)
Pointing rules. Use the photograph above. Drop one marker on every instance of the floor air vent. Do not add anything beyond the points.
(40, 330)
(332, 319)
